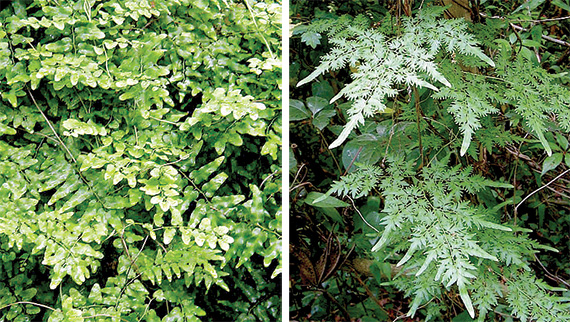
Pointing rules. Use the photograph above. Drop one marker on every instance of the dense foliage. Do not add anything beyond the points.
(140, 160)
(444, 141)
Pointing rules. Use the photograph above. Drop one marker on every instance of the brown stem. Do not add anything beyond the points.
(353, 159)
(332, 299)
(545, 37)
(369, 292)
(418, 114)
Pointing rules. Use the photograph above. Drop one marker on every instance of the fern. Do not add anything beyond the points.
(450, 242)
(442, 230)
(529, 298)
(358, 183)
(472, 97)
(385, 65)
(535, 95)
(432, 226)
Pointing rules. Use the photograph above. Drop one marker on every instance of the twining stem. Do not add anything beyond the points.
(124, 244)
(544, 186)
(369, 292)
(353, 159)
(519, 28)
(51, 126)
(331, 153)
(331, 298)
(195, 186)
(362, 217)
(257, 27)
(26, 302)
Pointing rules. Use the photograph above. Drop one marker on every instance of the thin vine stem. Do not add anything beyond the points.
(27, 302)
(544, 186)
(331, 153)
(257, 27)
(361, 216)
(51, 126)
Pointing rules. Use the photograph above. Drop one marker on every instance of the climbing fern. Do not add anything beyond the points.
(433, 224)
(384, 63)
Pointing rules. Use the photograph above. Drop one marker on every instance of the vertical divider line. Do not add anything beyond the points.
(285, 159)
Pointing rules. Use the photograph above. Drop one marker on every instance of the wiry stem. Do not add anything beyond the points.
(51, 126)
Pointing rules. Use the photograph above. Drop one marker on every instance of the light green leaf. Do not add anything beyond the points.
(466, 300)
(186, 235)
(4, 129)
(81, 195)
(407, 256)
(204, 172)
(316, 199)
(316, 104)
(169, 235)
(311, 38)
(64, 190)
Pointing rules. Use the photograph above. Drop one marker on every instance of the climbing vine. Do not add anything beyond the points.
(139, 160)
(421, 120)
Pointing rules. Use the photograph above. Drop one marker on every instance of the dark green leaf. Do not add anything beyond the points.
(298, 111)
(551, 162)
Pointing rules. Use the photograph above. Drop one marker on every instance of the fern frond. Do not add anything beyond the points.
(536, 96)
(448, 237)
(472, 98)
(358, 183)
(388, 64)
(529, 299)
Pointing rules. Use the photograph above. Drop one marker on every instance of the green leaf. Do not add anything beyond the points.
(466, 142)
(431, 256)
(81, 195)
(316, 104)
(497, 184)
(323, 118)
(463, 317)
(407, 256)
(529, 5)
(466, 300)
(4, 129)
(364, 149)
(292, 161)
(562, 141)
(318, 199)
(73, 183)
(491, 225)
(312, 39)
(214, 184)
(323, 89)
(544, 143)
(298, 111)
(169, 235)
(332, 213)
(204, 172)
(29, 293)
(561, 4)
(551, 162)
